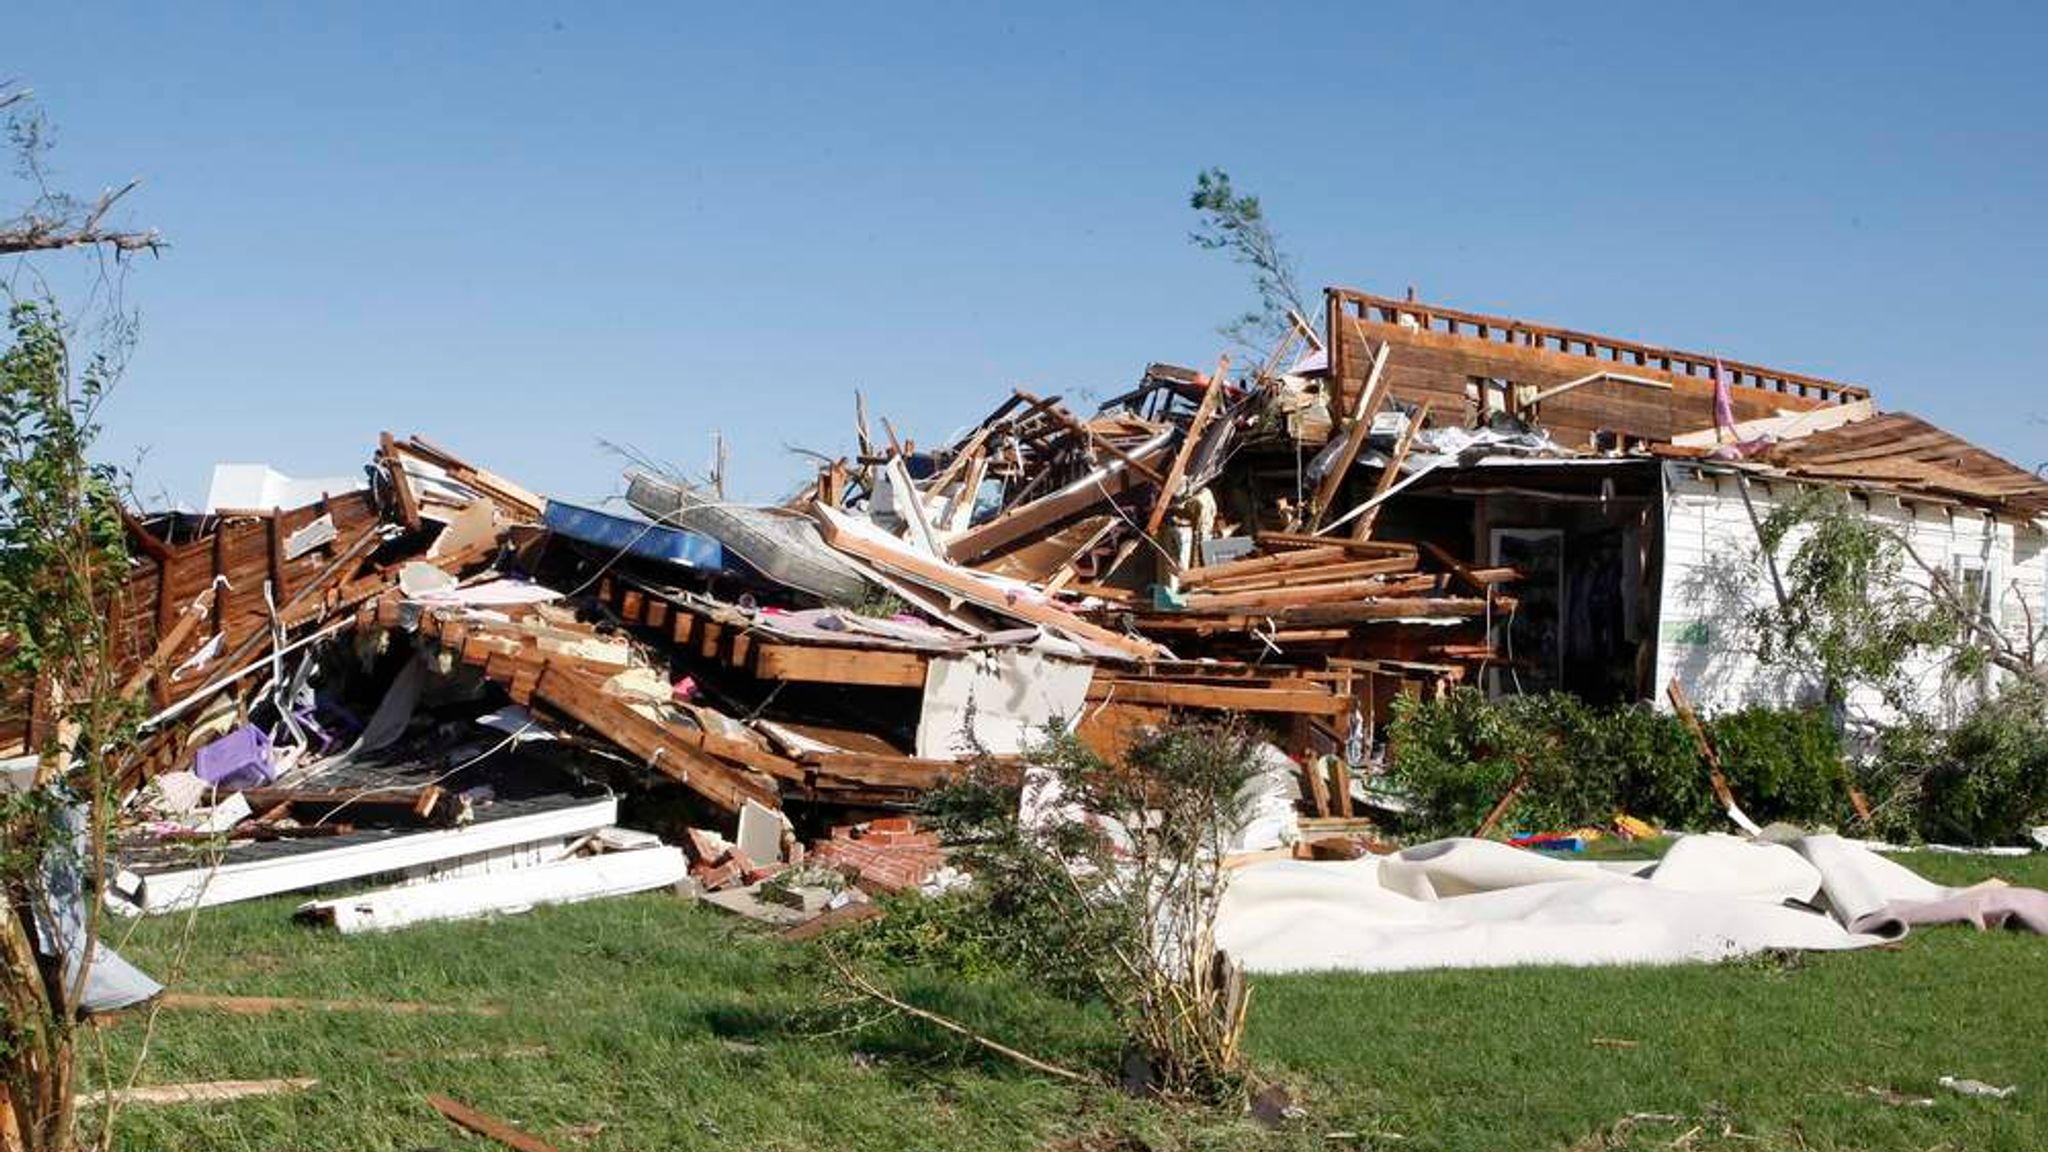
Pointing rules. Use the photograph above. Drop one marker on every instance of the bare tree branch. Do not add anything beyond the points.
(53, 221)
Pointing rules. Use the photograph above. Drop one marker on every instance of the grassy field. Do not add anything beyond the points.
(646, 1023)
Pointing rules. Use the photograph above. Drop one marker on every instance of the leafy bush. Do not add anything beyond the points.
(950, 934)
(1984, 781)
(1457, 756)
(1783, 764)
(1108, 893)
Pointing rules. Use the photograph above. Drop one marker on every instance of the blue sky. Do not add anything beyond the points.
(520, 229)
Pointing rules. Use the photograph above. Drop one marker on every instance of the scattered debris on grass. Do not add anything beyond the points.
(208, 1092)
(489, 1127)
(1963, 1086)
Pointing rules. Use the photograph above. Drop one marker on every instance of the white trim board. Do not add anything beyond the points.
(471, 897)
(231, 882)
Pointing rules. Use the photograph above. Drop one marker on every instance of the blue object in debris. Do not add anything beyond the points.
(634, 535)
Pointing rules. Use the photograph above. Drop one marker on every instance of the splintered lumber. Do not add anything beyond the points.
(1169, 488)
(1360, 587)
(1062, 575)
(302, 605)
(972, 447)
(207, 1092)
(1363, 529)
(1318, 827)
(515, 501)
(877, 667)
(401, 484)
(188, 622)
(670, 750)
(265, 1005)
(489, 1127)
(1360, 430)
(841, 533)
(1216, 697)
(1315, 574)
(1705, 744)
(1479, 578)
(1032, 519)
(715, 767)
(1393, 608)
(1318, 788)
(1037, 560)
(1501, 806)
(1340, 785)
(1260, 565)
(1300, 541)
(430, 805)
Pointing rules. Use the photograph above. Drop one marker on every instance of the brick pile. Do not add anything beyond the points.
(882, 855)
(717, 864)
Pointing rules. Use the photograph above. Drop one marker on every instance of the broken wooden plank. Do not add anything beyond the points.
(1303, 540)
(818, 664)
(1501, 806)
(1169, 489)
(1388, 475)
(1359, 587)
(1480, 579)
(429, 805)
(1318, 788)
(1029, 520)
(1259, 565)
(1314, 574)
(401, 484)
(1369, 399)
(1711, 755)
(673, 753)
(845, 534)
(489, 1127)
(1216, 697)
(266, 1005)
(204, 1092)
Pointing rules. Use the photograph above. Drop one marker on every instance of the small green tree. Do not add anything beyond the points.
(1845, 614)
(63, 567)
(63, 563)
(1108, 879)
(1852, 613)
(1235, 222)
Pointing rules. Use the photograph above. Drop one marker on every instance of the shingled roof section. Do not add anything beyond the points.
(1901, 451)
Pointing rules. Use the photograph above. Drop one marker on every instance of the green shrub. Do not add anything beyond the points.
(1984, 781)
(1783, 765)
(1108, 895)
(949, 934)
(1457, 756)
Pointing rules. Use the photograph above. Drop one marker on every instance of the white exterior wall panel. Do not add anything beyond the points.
(1712, 581)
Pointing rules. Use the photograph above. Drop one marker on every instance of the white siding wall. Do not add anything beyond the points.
(1712, 581)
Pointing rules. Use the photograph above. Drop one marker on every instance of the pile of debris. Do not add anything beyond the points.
(435, 677)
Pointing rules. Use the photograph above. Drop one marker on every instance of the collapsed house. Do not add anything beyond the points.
(434, 680)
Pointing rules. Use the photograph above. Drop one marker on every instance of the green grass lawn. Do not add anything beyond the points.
(646, 1023)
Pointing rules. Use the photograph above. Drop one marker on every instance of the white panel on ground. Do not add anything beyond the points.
(228, 882)
(562, 882)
